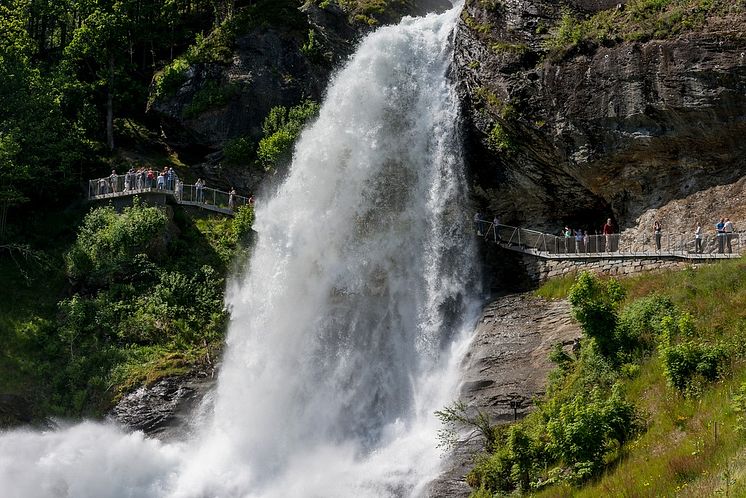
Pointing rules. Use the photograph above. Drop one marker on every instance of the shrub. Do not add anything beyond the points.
(640, 323)
(168, 82)
(312, 48)
(456, 417)
(510, 466)
(585, 429)
(281, 128)
(739, 407)
(499, 139)
(594, 305)
(238, 151)
(108, 243)
(243, 220)
(687, 364)
(559, 357)
(568, 33)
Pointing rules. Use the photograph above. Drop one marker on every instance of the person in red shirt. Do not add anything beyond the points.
(608, 230)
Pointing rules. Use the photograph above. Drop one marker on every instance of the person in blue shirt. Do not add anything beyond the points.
(720, 227)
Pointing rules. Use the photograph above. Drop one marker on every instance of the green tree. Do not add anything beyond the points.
(96, 48)
(10, 173)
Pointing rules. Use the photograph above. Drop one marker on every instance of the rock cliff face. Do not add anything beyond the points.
(602, 130)
(508, 361)
(267, 69)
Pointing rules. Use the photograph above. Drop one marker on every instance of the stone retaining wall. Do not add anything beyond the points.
(540, 269)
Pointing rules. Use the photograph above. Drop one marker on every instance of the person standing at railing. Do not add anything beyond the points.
(720, 227)
(170, 179)
(608, 231)
(232, 198)
(698, 239)
(103, 186)
(131, 178)
(658, 232)
(113, 180)
(586, 240)
(179, 189)
(495, 224)
(478, 223)
(161, 181)
(567, 234)
(199, 185)
(150, 178)
(579, 245)
(728, 230)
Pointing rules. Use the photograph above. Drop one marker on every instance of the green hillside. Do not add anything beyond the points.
(652, 404)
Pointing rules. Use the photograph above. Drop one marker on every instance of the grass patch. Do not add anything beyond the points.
(639, 20)
(145, 365)
(557, 288)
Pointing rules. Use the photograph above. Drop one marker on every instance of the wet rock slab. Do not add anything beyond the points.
(506, 362)
(165, 408)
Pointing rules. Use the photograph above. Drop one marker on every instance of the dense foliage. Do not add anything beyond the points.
(281, 128)
(68, 69)
(140, 296)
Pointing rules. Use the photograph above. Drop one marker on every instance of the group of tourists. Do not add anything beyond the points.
(724, 229)
(607, 239)
(141, 178)
(581, 241)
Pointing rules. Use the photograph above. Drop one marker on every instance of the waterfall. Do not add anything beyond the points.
(346, 327)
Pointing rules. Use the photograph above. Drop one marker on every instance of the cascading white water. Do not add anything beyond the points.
(345, 329)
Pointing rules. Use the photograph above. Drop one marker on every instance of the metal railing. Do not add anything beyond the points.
(532, 241)
(135, 183)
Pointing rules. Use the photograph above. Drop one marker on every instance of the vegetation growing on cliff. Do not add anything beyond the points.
(369, 12)
(651, 402)
(281, 128)
(638, 20)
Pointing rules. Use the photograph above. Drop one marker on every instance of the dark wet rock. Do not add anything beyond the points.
(165, 408)
(507, 362)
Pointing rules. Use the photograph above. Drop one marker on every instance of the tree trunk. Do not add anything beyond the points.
(110, 106)
(3, 218)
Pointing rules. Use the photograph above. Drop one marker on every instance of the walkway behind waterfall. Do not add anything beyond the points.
(615, 246)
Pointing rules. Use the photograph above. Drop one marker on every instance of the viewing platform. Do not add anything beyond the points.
(126, 186)
(543, 256)
(614, 246)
